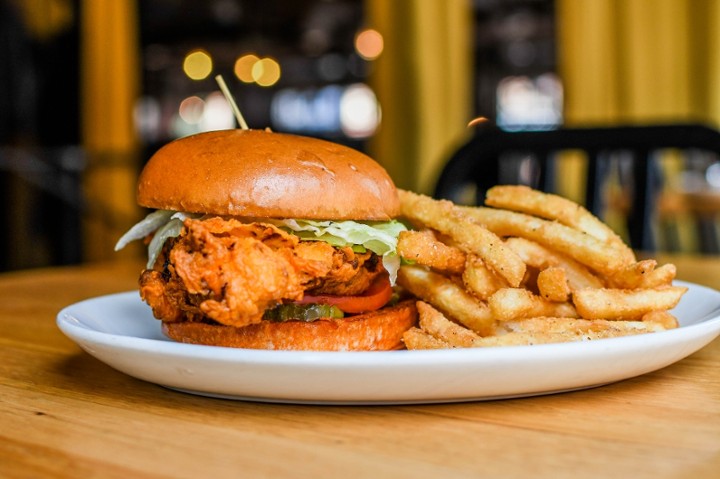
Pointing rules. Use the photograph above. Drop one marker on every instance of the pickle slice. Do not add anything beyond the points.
(302, 312)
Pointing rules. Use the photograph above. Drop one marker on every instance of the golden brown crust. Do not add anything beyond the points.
(376, 331)
(264, 174)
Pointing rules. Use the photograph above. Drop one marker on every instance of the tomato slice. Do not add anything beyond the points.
(375, 297)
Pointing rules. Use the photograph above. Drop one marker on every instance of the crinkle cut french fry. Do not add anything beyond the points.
(445, 217)
(623, 304)
(447, 296)
(553, 207)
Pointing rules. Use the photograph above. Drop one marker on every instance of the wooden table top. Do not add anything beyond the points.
(65, 414)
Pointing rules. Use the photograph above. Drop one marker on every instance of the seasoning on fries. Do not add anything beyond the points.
(528, 268)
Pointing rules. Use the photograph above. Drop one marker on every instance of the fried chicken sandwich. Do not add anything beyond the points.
(271, 241)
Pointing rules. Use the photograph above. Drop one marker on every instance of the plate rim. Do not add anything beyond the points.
(123, 352)
(66, 324)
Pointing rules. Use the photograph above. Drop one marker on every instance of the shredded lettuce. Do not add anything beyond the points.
(164, 223)
(149, 224)
(379, 237)
(171, 229)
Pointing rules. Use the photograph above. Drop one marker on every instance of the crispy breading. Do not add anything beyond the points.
(231, 272)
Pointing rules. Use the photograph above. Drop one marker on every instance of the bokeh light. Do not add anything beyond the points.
(191, 110)
(197, 114)
(243, 68)
(359, 111)
(369, 44)
(352, 110)
(217, 115)
(198, 65)
(266, 72)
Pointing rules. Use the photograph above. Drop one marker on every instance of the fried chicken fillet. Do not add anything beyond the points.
(231, 272)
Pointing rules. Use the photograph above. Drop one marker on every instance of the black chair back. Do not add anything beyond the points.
(481, 161)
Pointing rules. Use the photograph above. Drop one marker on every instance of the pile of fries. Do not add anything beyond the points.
(528, 268)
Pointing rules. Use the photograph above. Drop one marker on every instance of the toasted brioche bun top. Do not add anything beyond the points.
(263, 174)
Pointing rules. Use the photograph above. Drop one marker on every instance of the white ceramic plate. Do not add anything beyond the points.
(119, 330)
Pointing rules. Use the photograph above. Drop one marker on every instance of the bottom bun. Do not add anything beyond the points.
(375, 331)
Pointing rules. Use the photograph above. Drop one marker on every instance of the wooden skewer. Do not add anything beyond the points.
(223, 87)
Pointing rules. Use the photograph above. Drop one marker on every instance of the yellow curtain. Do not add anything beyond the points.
(110, 84)
(639, 61)
(423, 81)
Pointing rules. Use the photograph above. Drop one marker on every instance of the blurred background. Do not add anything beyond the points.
(89, 89)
